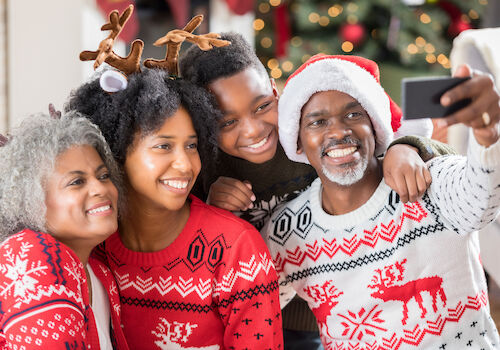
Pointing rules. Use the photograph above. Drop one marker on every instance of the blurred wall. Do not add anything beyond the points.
(44, 39)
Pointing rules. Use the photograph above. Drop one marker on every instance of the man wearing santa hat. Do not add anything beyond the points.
(376, 272)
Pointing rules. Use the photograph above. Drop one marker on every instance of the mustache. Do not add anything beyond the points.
(348, 140)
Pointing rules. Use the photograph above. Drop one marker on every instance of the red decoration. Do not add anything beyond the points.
(457, 27)
(282, 30)
(131, 29)
(240, 7)
(355, 33)
(180, 12)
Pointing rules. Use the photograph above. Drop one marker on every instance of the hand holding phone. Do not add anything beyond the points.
(421, 97)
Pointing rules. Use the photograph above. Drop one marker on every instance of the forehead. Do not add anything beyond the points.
(331, 100)
(76, 157)
(248, 83)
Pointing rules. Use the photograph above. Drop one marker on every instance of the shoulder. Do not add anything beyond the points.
(298, 203)
(218, 218)
(36, 245)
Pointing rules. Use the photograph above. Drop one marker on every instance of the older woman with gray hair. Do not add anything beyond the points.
(58, 200)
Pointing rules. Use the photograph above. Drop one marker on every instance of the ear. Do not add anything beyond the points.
(275, 89)
(299, 146)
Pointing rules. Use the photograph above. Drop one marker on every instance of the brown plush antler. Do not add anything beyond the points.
(3, 140)
(55, 114)
(174, 39)
(127, 65)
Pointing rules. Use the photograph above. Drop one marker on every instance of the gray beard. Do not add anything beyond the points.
(350, 175)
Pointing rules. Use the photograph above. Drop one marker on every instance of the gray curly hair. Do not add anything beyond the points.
(29, 156)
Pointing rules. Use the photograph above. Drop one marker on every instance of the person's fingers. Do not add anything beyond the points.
(411, 185)
(401, 188)
(421, 182)
(428, 177)
(472, 115)
(480, 90)
(229, 192)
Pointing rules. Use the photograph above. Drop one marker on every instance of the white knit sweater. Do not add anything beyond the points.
(390, 275)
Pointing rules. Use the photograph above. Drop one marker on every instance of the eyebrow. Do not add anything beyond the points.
(168, 137)
(257, 98)
(79, 172)
(321, 112)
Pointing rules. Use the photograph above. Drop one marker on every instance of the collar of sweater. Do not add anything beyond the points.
(351, 219)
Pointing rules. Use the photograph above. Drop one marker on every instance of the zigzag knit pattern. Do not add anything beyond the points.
(393, 275)
(214, 287)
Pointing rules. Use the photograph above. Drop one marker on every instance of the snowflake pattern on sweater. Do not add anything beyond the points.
(44, 301)
(391, 275)
(215, 287)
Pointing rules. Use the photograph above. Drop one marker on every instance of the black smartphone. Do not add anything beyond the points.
(420, 97)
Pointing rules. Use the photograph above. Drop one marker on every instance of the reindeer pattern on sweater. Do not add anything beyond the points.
(393, 275)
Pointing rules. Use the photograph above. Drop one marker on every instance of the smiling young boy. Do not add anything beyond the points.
(253, 175)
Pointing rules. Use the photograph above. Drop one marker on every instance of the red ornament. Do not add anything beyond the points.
(457, 27)
(240, 7)
(355, 33)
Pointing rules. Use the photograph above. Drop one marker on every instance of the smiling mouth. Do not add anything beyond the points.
(259, 144)
(99, 210)
(341, 152)
(177, 184)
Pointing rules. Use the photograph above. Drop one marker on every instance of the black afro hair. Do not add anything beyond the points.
(203, 67)
(150, 97)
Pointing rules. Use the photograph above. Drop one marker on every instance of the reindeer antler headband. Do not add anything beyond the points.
(112, 82)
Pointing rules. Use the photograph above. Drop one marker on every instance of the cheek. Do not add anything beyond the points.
(272, 116)
(196, 164)
(227, 141)
(62, 210)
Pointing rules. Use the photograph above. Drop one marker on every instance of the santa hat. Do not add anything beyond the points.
(478, 48)
(356, 76)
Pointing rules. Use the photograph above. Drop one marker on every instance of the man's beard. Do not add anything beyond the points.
(351, 173)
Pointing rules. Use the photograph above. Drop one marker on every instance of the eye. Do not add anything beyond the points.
(317, 123)
(104, 176)
(227, 123)
(353, 115)
(76, 182)
(193, 145)
(263, 107)
(165, 146)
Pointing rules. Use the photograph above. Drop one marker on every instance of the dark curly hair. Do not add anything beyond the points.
(203, 67)
(150, 97)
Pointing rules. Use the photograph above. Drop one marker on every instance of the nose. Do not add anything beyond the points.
(251, 128)
(337, 129)
(97, 187)
(182, 161)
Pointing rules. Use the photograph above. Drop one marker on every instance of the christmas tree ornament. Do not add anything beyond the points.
(240, 7)
(355, 33)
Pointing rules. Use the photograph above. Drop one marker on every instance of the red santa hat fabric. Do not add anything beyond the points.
(356, 76)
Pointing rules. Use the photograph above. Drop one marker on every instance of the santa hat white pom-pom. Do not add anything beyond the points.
(113, 81)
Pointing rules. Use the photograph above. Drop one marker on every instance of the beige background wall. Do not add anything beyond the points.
(44, 41)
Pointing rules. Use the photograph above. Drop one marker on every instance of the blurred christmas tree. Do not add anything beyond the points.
(414, 34)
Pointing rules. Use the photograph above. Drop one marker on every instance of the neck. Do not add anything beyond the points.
(339, 200)
(146, 229)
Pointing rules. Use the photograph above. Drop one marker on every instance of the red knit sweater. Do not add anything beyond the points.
(214, 287)
(44, 301)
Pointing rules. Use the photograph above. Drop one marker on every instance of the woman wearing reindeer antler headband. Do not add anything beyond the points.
(189, 275)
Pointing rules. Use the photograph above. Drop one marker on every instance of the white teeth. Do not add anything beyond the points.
(100, 209)
(258, 144)
(335, 153)
(176, 184)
